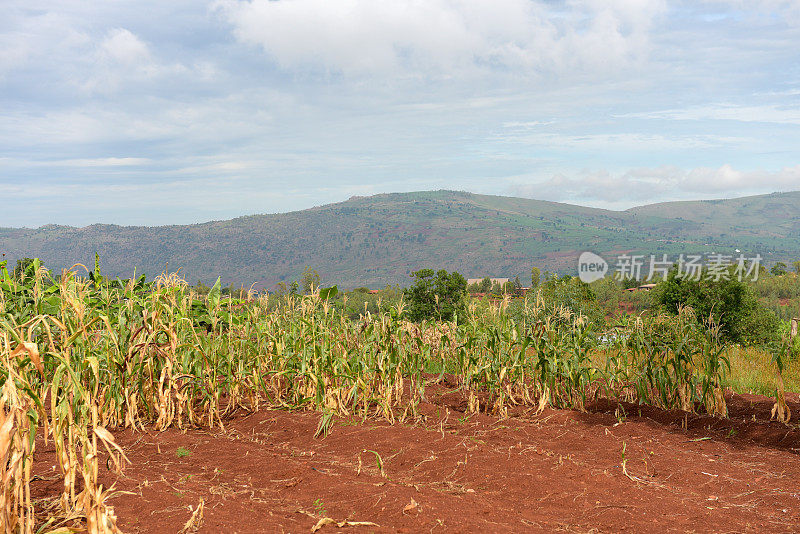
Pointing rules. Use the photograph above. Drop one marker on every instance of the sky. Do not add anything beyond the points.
(154, 112)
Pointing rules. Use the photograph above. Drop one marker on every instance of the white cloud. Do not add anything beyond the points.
(442, 38)
(101, 162)
(785, 114)
(623, 141)
(645, 185)
(388, 95)
(122, 59)
(122, 46)
(41, 37)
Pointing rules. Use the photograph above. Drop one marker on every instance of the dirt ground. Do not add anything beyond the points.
(646, 471)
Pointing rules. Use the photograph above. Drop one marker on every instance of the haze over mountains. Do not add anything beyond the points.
(378, 240)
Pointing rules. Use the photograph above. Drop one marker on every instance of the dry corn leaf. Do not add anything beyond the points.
(322, 522)
(108, 440)
(105, 435)
(32, 350)
(410, 506)
(341, 524)
(6, 431)
(194, 522)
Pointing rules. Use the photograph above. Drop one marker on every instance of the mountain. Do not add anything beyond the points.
(378, 240)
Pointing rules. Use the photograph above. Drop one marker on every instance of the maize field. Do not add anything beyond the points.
(83, 356)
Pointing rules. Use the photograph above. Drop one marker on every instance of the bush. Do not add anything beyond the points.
(731, 303)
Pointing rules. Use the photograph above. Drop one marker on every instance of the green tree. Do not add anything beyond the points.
(24, 268)
(486, 285)
(201, 289)
(235, 292)
(628, 283)
(572, 293)
(435, 295)
(796, 266)
(281, 289)
(536, 274)
(496, 289)
(730, 302)
(779, 269)
(309, 280)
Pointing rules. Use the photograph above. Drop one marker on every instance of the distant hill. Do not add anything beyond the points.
(378, 240)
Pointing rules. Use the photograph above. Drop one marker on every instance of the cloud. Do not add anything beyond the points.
(36, 37)
(121, 46)
(122, 60)
(249, 97)
(656, 184)
(784, 114)
(442, 38)
(624, 141)
(787, 10)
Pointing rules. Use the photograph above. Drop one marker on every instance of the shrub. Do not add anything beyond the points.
(730, 302)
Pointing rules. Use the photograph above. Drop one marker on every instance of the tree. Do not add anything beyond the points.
(779, 269)
(796, 266)
(23, 266)
(535, 276)
(235, 292)
(572, 293)
(628, 283)
(497, 288)
(281, 289)
(201, 289)
(730, 302)
(309, 280)
(435, 295)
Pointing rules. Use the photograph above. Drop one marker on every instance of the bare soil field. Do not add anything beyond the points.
(601, 471)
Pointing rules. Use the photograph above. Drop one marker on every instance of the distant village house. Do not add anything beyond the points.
(645, 287)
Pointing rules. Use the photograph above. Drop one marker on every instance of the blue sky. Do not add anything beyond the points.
(154, 112)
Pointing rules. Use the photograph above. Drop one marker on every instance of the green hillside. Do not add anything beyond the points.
(380, 239)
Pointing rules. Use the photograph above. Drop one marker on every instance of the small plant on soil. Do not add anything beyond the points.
(620, 414)
(183, 452)
(624, 460)
(325, 424)
(319, 508)
(378, 462)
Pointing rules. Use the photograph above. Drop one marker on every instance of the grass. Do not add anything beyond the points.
(753, 371)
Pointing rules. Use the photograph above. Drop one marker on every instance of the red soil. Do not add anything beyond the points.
(557, 471)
